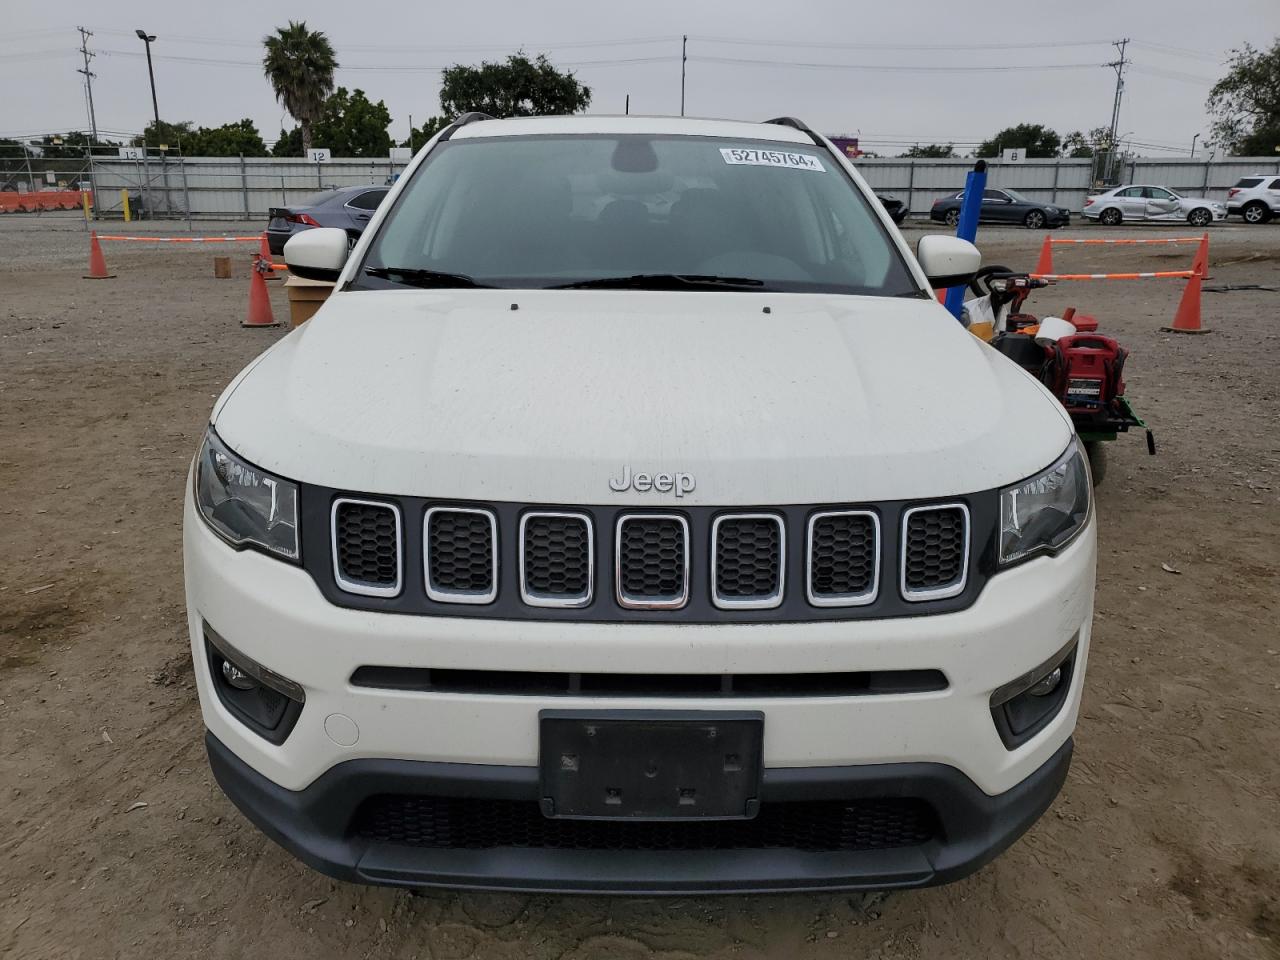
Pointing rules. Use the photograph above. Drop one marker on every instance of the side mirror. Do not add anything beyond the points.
(317, 254)
(946, 261)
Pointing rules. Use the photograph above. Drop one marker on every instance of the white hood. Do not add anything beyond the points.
(456, 394)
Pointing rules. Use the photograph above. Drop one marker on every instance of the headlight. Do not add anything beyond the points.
(244, 505)
(1042, 514)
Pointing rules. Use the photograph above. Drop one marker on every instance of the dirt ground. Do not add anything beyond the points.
(115, 841)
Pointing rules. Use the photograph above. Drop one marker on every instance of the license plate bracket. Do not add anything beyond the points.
(650, 764)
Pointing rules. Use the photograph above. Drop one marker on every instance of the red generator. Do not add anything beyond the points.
(1086, 371)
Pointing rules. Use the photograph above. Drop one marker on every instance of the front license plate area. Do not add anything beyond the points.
(650, 765)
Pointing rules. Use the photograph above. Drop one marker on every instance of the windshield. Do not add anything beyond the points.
(553, 211)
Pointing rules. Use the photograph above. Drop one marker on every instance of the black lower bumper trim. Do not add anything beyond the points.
(315, 824)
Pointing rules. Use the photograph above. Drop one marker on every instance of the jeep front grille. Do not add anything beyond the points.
(557, 559)
(935, 551)
(696, 564)
(843, 558)
(460, 554)
(367, 547)
(747, 561)
(652, 560)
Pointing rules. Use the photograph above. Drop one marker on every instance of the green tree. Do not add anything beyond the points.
(1034, 138)
(289, 144)
(299, 64)
(352, 126)
(1245, 104)
(1082, 145)
(520, 87)
(229, 140)
(173, 135)
(930, 150)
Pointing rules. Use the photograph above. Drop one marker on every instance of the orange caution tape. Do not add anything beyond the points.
(184, 239)
(1058, 240)
(1161, 274)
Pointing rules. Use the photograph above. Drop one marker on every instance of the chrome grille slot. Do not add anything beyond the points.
(935, 551)
(460, 554)
(747, 568)
(843, 558)
(557, 559)
(367, 545)
(652, 561)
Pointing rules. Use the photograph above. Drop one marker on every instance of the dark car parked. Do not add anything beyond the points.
(896, 209)
(346, 207)
(1002, 206)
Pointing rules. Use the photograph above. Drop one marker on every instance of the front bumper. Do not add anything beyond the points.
(315, 825)
(350, 740)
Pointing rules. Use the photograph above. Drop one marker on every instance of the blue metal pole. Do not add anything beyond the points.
(974, 186)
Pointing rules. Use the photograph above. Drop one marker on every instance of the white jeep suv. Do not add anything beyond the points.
(1256, 199)
(633, 519)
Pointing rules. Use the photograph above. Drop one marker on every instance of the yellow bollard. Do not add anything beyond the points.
(124, 201)
(84, 202)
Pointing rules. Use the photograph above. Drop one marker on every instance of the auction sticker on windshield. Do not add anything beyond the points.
(772, 158)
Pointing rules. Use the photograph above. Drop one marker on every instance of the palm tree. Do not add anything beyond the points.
(300, 64)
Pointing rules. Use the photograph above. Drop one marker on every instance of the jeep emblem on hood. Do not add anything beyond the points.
(681, 483)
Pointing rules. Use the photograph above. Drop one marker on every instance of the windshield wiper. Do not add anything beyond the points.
(419, 277)
(660, 281)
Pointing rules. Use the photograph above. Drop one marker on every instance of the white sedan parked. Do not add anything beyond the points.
(1144, 202)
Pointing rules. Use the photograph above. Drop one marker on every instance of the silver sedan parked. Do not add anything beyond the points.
(1147, 202)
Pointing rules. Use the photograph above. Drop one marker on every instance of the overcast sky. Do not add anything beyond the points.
(881, 70)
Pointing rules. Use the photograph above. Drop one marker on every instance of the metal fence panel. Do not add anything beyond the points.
(244, 188)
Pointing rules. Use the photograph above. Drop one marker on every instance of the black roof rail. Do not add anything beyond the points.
(798, 125)
(462, 120)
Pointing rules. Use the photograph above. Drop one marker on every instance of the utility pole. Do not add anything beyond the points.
(88, 79)
(684, 56)
(1118, 66)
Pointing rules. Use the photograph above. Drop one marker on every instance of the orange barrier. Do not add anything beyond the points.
(1044, 265)
(181, 239)
(43, 200)
(1158, 274)
(97, 262)
(1089, 240)
(259, 313)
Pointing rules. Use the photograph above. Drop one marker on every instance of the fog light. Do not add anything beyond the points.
(237, 677)
(1046, 684)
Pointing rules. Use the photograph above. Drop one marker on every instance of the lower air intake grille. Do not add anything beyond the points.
(366, 547)
(460, 547)
(748, 561)
(555, 559)
(843, 557)
(816, 826)
(653, 561)
(935, 551)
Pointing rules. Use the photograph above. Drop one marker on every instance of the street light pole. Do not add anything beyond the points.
(146, 38)
(1193, 144)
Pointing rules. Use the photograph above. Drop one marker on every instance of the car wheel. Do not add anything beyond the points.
(1199, 217)
(1034, 220)
(952, 217)
(1110, 217)
(1255, 212)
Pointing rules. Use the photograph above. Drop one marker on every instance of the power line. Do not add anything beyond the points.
(824, 45)
(407, 67)
(429, 48)
(898, 67)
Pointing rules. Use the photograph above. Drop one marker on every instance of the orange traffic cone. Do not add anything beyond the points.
(97, 262)
(1187, 317)
(1201, 262)
(1045, 263)
(264, 251)
(259, 314)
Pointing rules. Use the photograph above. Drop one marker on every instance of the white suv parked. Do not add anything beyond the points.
(1256, 199)
(632, 518)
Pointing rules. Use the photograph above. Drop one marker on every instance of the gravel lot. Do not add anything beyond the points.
(115, 842)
